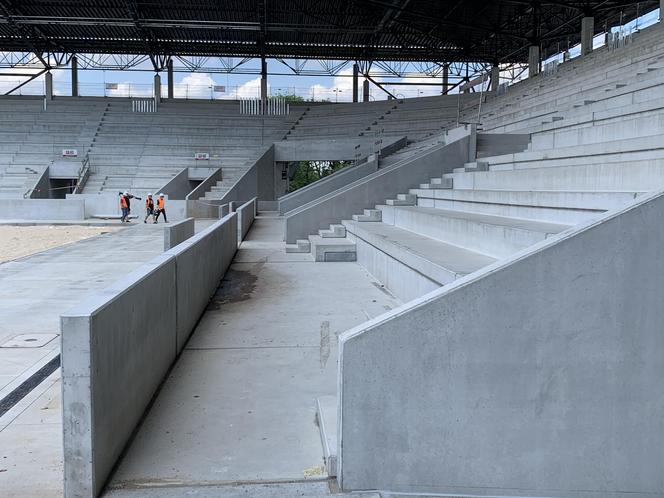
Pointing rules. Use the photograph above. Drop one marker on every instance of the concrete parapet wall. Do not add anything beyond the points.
(42, 209)
(246, 214)
(205, 185)
(201, 262)
(383, 184)
(208, 208)
(326, 185)
(178, 233)
(538, 373)
(118, 345)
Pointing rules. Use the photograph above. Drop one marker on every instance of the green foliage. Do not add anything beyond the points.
(308, 172)
(291, 99)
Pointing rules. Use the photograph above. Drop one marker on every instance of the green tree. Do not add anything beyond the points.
(308, 172)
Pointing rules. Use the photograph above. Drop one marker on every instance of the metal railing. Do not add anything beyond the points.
(144, 105)
(269, 107)
(83, 175)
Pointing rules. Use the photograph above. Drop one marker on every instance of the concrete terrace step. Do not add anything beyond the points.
(441, 262)
(495, 236)
(332, 249)
(554, 206)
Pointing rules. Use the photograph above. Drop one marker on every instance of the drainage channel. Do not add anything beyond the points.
(21, 391)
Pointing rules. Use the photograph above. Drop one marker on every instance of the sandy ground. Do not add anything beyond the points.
(19, 241)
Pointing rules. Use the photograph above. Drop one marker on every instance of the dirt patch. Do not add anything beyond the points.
(237, 286)
(20, 241)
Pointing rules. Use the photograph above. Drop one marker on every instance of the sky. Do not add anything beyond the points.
(202, 85)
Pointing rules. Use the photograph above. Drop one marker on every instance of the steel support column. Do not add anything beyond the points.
(533, 60)
(495, 78)
(365, 91)
(74, 76)
(356, 73)
(157, 87)
(263, 81)
(169, 68)
(48, 85)
(587, 32)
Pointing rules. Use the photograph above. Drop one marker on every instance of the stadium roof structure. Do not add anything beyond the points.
(388, 30)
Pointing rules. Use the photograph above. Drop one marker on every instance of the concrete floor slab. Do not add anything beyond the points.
(34, 291)
(240, 403)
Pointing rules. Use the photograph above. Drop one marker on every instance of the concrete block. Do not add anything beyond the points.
(178, 232)
(246, 215)
(332, 250)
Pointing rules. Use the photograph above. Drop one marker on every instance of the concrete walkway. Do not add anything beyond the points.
(34, 291)
(238, 407)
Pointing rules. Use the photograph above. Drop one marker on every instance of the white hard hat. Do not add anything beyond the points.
(161, 195)
(126, 193)
(149, 195)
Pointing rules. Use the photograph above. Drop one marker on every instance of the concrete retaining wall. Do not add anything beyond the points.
(246, 214)
(178, 233)
(118, 345)
(177, 187)
(204, 209)
(384, 184)
(205, 185)
(326, 185)
(201, 262)
(42, 209)
(538, 376)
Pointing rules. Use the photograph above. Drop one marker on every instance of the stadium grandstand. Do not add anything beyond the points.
(440, 276)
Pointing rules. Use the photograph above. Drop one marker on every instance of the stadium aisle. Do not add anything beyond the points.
(239, 404)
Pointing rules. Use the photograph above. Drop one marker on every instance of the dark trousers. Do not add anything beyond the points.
(158, 212)
(125, 214)
(148, 213)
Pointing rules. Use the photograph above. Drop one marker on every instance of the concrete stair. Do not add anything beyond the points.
(402, 200)
(369, 215)
(335, 231)
(301, 246)
(332, 249)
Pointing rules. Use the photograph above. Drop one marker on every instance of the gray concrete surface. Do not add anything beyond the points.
(112, 364)
(451, 394)
(35, 291)
(42, 209)
(342, 149)
(178, 232)
(326, 185)
(239, 403)
(246, 214)
(114, 361)
(201, 262)
(375, 188)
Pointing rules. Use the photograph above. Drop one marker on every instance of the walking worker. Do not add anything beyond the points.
(149, 208)
(124, 207)
(161, 208)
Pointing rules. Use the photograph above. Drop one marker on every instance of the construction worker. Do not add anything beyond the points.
(125, 205)
(149, 208)
(161, 208)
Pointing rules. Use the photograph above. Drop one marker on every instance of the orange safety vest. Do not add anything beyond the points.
(160, 203)
(149, 203)
(123, 202)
